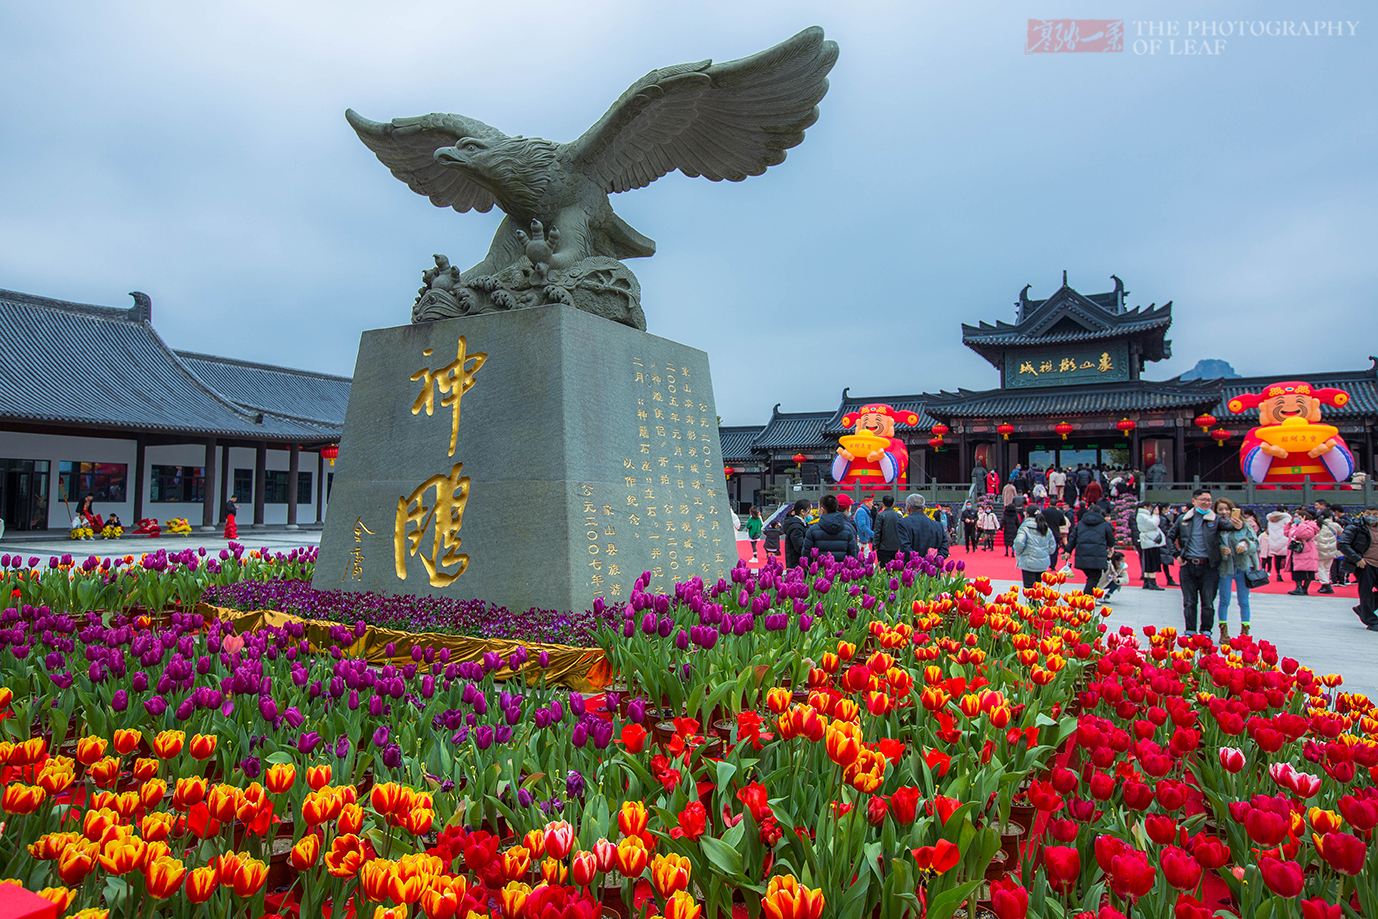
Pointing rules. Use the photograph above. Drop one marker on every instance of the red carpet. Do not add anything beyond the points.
(998, 567)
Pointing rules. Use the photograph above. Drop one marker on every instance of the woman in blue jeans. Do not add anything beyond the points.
(1238, 554)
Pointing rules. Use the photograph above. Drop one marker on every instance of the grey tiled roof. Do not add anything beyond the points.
(1362, 386)
(794, 431)
(70, 363)
(736, 442)
(291, 393)
(1122, 397)
(911, 403)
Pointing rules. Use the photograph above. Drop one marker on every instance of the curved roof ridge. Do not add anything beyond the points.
(216, 358)
(119, 314)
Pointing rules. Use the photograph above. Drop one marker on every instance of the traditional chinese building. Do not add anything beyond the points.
(93, 401)
(1072, 390)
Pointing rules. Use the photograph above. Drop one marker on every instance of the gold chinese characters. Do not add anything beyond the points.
(445, 515)
(1106, 364)
(355, 568)
(453, 381)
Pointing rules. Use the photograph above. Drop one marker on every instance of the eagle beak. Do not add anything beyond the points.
(449, 156)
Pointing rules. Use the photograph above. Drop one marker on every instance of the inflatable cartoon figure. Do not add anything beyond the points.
(873, 456)
(1290, 442)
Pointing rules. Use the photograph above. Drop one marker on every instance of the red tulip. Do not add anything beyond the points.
(1317, 908)
(634, 737)
(876, 810)
(1210, 852)
(1265, 827)
(1064, 781)
(1131, 876)
(1171, 795)
(1161, 828)
(1188, 907)
(1137, 796)
(1009, 900)
(1062, 830)
(1102, 786)
(1231, 759)
(1180, 869)
(1064, 866)
(1282, 878)
(1343, 852)
(1043, 797)
(1107, 849)
(1360, 813)
(904, 804)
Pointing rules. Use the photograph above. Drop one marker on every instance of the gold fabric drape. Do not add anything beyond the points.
(580, 669)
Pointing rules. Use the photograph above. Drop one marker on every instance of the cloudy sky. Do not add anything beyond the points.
(199, 153)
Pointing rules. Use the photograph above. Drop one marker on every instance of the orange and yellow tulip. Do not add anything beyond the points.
(63, 897)
(203, 746)
(253, 874)
(632, 818)
(122, 855)
(632, 856)
(151, 793)
(76, 861)
(670, 874)
(127, 741)
(145, 769)
(189, 792)
(351, 818)
(164, 875)
(22, 799)
(105, 772)
(90, 749)
(682, 906)
(317, 777)
(513, 898)
(280, 777)
(345, 857)
(201, 883)
(843, 742)
(155, 827)
(516, 862)
(786, 898)
(168, 744)
(305, 853)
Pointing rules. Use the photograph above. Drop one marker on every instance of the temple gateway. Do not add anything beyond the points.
(1071, 391)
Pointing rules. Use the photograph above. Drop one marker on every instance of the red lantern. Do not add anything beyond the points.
(1125, 425)
(728, 471)
(1220, 435)
(936, 443)
(1063, 428)
(1204, 422)
(1005, 430)
(799, 458)
(941, 429)
(330, 453)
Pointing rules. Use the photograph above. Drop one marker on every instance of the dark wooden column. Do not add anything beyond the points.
(964, 464)
(260, 481)
(208, 473)
(138, 481)
(293, 476)
(226, 474)
(1180, 461)
(320, 488)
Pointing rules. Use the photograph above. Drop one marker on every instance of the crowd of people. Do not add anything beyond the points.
(1220, 551)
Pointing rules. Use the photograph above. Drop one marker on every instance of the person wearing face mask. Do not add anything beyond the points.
(1196, 536)
(1358, 547)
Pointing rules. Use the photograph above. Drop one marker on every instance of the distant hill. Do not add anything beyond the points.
(1211, 369)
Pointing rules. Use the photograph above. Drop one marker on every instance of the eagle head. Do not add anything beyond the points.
(514, 169)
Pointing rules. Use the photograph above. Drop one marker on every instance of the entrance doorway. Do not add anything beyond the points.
(24, 494)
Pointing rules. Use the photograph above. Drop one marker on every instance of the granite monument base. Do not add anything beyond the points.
(541, 457)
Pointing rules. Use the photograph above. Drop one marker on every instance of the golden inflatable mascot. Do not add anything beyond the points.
(873, 456)
(1290, 442)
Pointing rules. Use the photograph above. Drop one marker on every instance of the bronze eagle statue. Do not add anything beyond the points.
(560, 240)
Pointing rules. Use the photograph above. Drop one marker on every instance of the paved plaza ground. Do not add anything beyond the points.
(1321, 632)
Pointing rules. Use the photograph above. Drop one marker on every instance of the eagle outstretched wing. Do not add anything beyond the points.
(719, 121)
(407, 147)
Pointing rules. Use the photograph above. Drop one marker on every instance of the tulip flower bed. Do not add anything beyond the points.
(831, 739)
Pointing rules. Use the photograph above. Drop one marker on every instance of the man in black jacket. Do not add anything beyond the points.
(1358, 546)
(796, 523)
(888, 531)
(919, 533)
(1196, 536)
(832, 533)
(969, 527)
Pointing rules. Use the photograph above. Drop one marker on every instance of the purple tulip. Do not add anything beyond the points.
(576, 704)
(525, 798)
(353, 702)
(480, 704)
(342, 747)
(380, 736)
(574, 784)
(120, 701)
(580, 735)
(483, 736)
(649, 623)
(184, 710)
(252, 767)
(427, 686)
(557, 711)
(268, 708)
(665, 627)
(543, 657)
(805, 622)
(392, 756)
(602, 734)
(293, 718)
(308, 742)
(682, 640)
(155, 706)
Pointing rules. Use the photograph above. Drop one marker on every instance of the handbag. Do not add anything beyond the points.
(1296, 546)
(1255, 577)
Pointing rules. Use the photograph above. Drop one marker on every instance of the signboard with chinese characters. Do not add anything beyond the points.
(539, 457)
(1054, 366)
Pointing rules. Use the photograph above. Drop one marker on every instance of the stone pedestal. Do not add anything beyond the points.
(536, 458)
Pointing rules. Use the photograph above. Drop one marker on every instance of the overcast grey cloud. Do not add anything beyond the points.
(200, 154)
